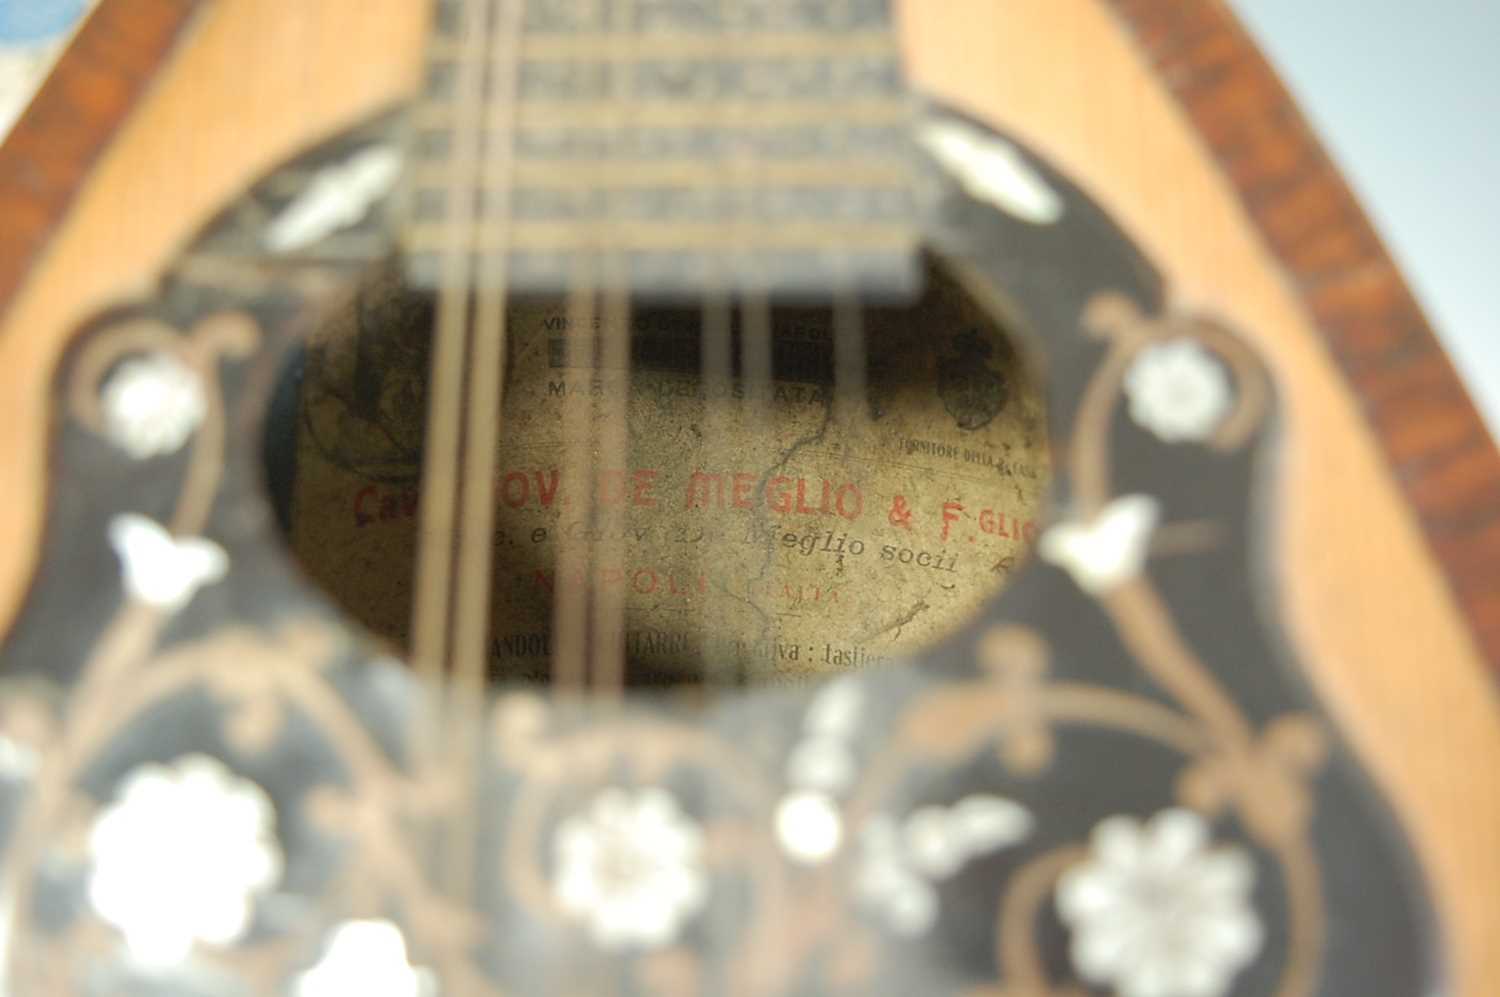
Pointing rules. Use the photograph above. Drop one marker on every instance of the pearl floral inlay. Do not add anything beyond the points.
(181, 855)
(152, 405)
(631, 868)
(1178, 391)
(1108, 550)
(899, 862)
(809, 822)
(809, 827)
(1155, 912)
(993, 170)
(162, 570)
(940, 840)
(367, 958)
(338, 197)
(886, 882)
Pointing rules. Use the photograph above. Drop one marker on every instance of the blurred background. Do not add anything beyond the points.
(1406, 97)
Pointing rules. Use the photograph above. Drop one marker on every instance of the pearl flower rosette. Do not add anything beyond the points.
(180, 857)
(1178, 391)
(152, 405)
(1155, 912)
(630, 868)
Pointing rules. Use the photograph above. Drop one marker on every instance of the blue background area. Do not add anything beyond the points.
(37, 20)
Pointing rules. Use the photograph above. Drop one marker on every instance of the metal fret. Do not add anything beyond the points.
(685, 46)
(561, 236)
(684, 114)
(564, 176)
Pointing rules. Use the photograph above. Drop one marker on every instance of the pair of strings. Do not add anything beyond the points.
(570, 609)
(746, 173)
(435, 541)
(588, 619)
(715, 375)
(590, 590)
(455, 545)
(588, 622)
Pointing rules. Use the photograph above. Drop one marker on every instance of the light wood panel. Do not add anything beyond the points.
(256, 80)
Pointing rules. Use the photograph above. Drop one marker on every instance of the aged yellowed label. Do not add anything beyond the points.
(758, 532)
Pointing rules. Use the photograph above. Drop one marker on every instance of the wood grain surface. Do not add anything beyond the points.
(1388, 518)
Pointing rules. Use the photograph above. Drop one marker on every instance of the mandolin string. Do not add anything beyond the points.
(758, 408)
(850, 361)
(487, 358)
(570, 606)
(482, 433)
(850, 358)
(435, 542)
(715, 375)
(578, 574)
(717, 351)
(575, 606)
(608, 650)
(613, 446)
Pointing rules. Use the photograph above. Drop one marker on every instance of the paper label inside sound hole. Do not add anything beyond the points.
(752, 532)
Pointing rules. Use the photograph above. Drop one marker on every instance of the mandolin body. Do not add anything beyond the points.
(1310, 689)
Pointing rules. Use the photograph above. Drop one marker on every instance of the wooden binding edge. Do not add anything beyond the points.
(1429, 431)
(47, 157)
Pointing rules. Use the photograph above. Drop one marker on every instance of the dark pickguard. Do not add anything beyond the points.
(902, 830)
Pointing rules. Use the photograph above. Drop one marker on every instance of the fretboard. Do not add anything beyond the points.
(670, 145)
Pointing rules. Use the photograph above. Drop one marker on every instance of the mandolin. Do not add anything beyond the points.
(759, 497)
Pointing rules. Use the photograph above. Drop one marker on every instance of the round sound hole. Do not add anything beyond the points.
(755, 528)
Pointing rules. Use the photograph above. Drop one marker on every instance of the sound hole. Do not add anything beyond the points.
(755, 529)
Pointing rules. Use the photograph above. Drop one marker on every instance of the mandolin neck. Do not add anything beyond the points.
(674, 147)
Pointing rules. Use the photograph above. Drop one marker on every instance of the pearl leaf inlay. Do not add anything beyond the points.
(162, 570)
(339, 197)
(1108, 550)
(993, 170)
